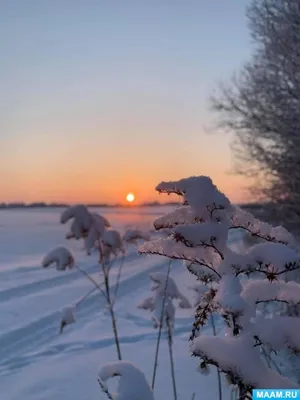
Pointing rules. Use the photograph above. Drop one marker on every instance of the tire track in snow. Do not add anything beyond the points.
(14, 344)
(60, 279)
(75, 347)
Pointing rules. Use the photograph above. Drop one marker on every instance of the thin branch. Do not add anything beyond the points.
(111, 310)
(85, 296)
(118, 278)
(185, 258)
(105, 390)
(218, 371)
(160, 326)
(170, 343)
(88, 276)
(258, 235)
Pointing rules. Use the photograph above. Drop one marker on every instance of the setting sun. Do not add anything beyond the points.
(130, 197)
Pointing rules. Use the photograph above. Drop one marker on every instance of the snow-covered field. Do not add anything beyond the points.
(36, 363)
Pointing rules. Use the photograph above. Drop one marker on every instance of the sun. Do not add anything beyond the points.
(130, 197)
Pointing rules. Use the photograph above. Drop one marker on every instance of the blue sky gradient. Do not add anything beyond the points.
(100, 98)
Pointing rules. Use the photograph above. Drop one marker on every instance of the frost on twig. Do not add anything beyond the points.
(61, 256)
(132, 381)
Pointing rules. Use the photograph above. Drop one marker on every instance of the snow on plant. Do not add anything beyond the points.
(93, 228)
(163, 285)
(61, 256)
(132, 236)
(111, 244)
(132, 383)
(67, 317)
(198, 235)
(165, 291)
(85, 225)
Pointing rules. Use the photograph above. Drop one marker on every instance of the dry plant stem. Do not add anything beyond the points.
(105, 390)
(269, 360)
(106, 295)
(218, 371)
(170, 343)
(92, 280)
(193, 396)
(118, 278)
(234, 394)
(160, 326)
(111, 310)
(85, 296)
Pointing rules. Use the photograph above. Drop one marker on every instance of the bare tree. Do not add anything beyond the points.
(261, 105)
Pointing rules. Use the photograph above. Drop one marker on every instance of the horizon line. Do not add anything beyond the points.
(41, 204)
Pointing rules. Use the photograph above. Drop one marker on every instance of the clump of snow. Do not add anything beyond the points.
(200, 193)
(61, 256)
(276, 255)
(180, 216)
(78, 211)
(96, 232)
(82, 219)
(278, 332)
(112, 239)
(243, 219)
(160, 303)
(206, 233)
(85, 225)
(133, 235)
(164, 312)
(206, 256)
(100, 220)
(229, 294)
(261, 290)
(200, 289)
(111, 244)
(67, 317)
(162, 283)
(236, 355)
(132, 383)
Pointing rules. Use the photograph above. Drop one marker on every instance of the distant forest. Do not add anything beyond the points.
(64, 205)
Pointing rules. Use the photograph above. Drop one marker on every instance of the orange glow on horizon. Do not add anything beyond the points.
(69, 186)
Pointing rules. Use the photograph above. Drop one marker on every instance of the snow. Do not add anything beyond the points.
(201, 242)
(134, 235)
(229, 294)
(67, 317)
(161, 303)
(36, 362)
(132, 382)
(236, 355)
(242, 219)
(112, 239)
(204, 233)
(61, 256)
(200, 193)
(256, 291)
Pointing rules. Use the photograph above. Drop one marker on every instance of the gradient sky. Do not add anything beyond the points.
(99, 98)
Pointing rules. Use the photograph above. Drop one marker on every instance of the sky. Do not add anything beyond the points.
(104, 97)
